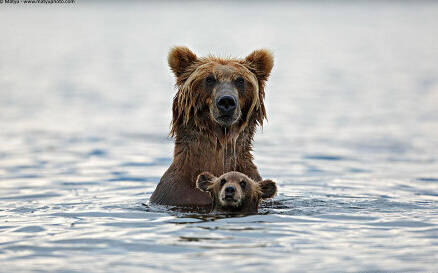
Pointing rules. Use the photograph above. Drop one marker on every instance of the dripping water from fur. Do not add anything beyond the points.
(224, 152)
(234, 153)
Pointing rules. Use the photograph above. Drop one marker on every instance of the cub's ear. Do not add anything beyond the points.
(260, 62)
(180, 58)
(204, 181)
(268, 188)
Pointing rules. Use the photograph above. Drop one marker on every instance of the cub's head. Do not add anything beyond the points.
(218, 93)
(235, 192)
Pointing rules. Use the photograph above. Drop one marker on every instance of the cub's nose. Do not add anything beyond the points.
(229, 191)
(226, 104)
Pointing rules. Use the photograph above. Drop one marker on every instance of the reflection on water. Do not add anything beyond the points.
(352, 138)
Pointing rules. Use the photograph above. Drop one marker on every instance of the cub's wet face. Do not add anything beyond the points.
(232, 192)
(235, 192)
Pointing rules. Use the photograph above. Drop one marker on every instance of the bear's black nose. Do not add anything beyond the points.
(226, 104)
(229, 191)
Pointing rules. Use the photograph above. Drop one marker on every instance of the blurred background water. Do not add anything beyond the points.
(352, 137)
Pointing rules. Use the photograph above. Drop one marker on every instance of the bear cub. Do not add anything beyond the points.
(234, 192)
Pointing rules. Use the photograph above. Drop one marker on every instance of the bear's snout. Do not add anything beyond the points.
(225, 109)
(226, 104)
(229, 192)
(230, 196)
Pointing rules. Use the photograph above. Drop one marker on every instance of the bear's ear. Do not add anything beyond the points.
(180, 58)
(260, 62)
(268, 188)
(204, 181)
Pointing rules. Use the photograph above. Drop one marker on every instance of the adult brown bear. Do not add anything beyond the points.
(215, 113)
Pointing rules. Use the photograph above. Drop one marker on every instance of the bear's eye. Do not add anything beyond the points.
(223, 181)
(239, 82)
(210, 81)
(243, 184)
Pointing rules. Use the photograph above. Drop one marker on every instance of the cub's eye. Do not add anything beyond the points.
(239, 82)
(243, 184)
(210, 80)
(223, 181)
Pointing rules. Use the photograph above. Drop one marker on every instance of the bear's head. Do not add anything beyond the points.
(215, 93)
(235, 192)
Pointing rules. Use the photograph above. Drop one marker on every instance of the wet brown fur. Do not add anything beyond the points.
(200, 143)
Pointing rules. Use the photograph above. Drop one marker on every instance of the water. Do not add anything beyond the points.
(352, 137)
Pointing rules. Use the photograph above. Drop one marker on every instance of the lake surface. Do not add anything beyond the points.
(352, 137)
